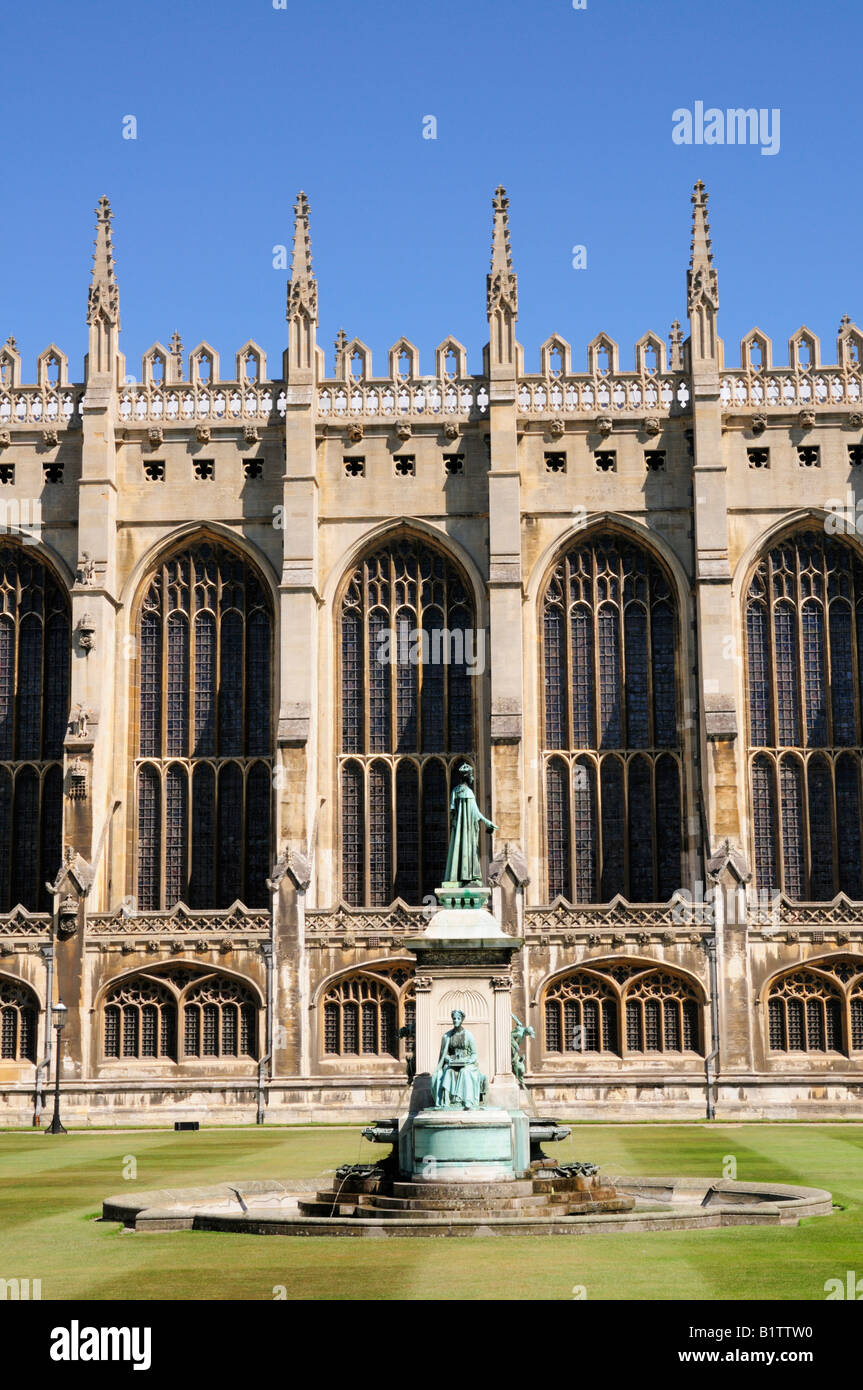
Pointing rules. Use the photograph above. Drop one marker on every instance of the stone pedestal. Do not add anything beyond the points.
(463, 962)
(463, 1146)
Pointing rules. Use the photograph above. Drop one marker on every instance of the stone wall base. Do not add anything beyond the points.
(303, 1100)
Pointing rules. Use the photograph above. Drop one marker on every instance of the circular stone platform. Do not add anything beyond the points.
(533, 1206)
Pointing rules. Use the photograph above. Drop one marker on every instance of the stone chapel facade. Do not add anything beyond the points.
(252, 621)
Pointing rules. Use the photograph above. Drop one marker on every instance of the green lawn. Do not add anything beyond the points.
(52, 1187)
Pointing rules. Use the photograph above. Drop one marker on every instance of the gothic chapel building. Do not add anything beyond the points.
(627, 596)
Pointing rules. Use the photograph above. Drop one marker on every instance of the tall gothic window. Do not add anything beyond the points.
(408, 647)
(19, 1012)
(817, 1008)
(34, 709)
(204, 765)
(804, 633)
(361, 1014)
(612, 750)
(621, 1008)
(179, 1013)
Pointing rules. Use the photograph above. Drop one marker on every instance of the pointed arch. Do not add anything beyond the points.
(815, 1006)
(650, 343)
(364, 1012)
(179, 1012)
(620, 1005)
(609, 670)
(403, 349)
(35, 672)
(555, 357)
(251, 364)
(202, 726)
(804, 350)
(203, 365)
(52, 368)
(756, 351)
(405, 628)
(803, 671)
(19, 1020)
(450, 348)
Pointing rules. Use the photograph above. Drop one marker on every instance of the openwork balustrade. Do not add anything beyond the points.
(381, 400)
(37, 406)
(223, 403)
(624, 392)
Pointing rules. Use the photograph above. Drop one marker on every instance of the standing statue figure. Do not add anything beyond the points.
(462, 864)
(457, 1080)
(519, 1062)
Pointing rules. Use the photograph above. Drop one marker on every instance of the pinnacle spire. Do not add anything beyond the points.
(103, 304)
(302, 286)
(502, 289)
(701, 281)
(341, 345)
(501, 255)
(176, 356)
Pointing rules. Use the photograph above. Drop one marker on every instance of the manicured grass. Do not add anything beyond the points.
(52, 1187)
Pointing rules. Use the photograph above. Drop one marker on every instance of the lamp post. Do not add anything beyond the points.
(58, 1018)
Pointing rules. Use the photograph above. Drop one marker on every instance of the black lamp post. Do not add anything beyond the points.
(58, 1018)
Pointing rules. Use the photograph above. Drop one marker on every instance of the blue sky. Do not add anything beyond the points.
(238, 105)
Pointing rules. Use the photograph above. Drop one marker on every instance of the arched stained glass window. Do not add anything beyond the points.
(620, 1007)
(362, 1013)
(663, 1014)
(408, 652)
(34, 712)
(817, 1007)
(612, 760)
(581, 1015)
(178, 1013)
(804, 624)
(19, 1014)
(204, 765)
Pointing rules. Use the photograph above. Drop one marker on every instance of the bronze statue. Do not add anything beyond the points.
(462, 865)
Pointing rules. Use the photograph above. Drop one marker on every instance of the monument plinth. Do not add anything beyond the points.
(464, 1121)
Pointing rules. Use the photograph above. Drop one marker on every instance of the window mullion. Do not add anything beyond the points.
(627, 885)
(367, 848)
(565, 656)
(163, 743)
(807, 836)
(834, 824)
(771, 652)
(571, 771)
(778, 826)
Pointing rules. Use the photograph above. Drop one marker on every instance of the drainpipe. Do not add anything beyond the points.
(267, 952)
(259, 1118)
(711, 1075)
(38, 1099)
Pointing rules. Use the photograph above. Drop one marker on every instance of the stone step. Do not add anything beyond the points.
(543, 1183)
(542, 1215)
(456, 1203)
(329, 1208)
(522, 1187)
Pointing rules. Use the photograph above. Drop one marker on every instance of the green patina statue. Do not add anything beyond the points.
(457, 1082)
(462, 865)
(519, 1033)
